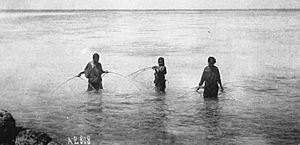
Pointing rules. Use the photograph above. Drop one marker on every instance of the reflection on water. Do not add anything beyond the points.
(211, 118)
(154, 121)
(256, 51)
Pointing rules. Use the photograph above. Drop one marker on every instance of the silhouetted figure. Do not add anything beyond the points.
(93, 72)
(211, 77)
(159, 75)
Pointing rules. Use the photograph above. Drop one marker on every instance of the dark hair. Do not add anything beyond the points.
(211, 59)
(162, 60)
(96, 55)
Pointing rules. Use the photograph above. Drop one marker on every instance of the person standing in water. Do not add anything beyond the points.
(93, 72)
(159, 75)
(211, 77)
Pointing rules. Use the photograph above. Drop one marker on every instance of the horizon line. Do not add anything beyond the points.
(240, 9)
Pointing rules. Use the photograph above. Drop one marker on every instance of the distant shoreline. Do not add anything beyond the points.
(87, 10)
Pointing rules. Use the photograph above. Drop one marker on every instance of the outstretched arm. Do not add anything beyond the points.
(85, 70)
(155, 68)
(79, 74)
(103, 71)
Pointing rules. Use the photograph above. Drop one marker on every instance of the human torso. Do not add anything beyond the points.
(160, 72)
(94, 71)
(211, 76)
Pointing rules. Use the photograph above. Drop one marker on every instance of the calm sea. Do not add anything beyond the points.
(257, 53)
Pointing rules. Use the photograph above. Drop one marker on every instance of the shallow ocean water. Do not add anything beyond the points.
(256, 51)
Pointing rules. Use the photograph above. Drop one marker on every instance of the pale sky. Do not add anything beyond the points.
(149, 4)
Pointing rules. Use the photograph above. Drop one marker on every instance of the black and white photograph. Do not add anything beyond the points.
(149, 72)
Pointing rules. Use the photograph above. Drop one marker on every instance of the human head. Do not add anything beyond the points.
(211, 60)
(161, 61)
(96, 57)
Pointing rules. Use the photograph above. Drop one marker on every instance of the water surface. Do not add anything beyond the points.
(256, 51)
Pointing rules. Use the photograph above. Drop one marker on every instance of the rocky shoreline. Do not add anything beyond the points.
(10, 134)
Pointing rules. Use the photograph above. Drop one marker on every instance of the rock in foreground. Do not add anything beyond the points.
(8, 129)
(12, 135)
(30, 137)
